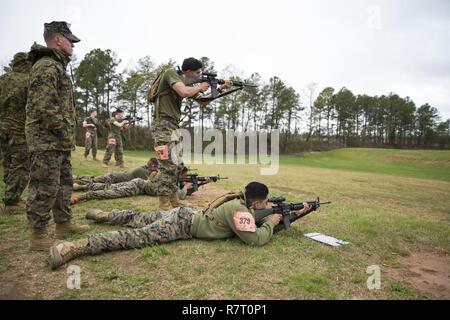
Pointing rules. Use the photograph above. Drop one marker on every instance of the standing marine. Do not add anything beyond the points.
(91, 125)
(13, 99)
(170, 92)
(50, 135)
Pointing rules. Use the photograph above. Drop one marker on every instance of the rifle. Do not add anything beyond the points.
(197, 180)
(132, 120)
(213, 81)
(98, 127)
(280, 207)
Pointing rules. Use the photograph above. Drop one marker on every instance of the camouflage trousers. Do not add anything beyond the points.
(117, 149)
(168, 169)
(50, 188)
(147, 229)
(109, 178)
(131, 188)
(91, 144)
(16, 170)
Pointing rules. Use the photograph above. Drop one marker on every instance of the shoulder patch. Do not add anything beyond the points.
(244, 221)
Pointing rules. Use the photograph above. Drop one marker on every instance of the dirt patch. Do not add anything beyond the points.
(13, 289)
(205, 195)
(427, 272)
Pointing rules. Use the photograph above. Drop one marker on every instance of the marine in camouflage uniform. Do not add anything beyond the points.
(13, 99)
(166, 120)
(220, 220)
(90, 123)
(112, 177)
(50, 134)
(114, 144)
(135, 187)
(131, 188)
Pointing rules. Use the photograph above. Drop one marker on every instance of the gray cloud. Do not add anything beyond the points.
(369, 46)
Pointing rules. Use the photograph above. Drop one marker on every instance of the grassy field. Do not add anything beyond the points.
(393, 206)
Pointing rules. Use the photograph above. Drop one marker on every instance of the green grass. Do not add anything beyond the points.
(424, 164)
(387, 203)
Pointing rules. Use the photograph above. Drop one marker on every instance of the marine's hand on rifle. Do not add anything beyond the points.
(275, 218)
(306, 208)
(204, 86)
(188, 185)
(227, 85)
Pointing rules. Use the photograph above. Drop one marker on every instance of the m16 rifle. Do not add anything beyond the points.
(132, 120)
(197, 181)
(285, 209)
(213, 81)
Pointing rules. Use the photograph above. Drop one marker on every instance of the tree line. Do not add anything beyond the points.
(307, 119)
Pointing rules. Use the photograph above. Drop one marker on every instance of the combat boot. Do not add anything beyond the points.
(64, 228)
(40, 239)
(105, 165)
(164, 203)
(97, 215)
(79, 187)
(174, 201)
(74, 200)
(68, 250)
(95, 159)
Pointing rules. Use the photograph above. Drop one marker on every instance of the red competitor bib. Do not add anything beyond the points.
(244, 221)
(162, 152)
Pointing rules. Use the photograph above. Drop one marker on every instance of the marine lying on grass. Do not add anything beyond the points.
(232, 214)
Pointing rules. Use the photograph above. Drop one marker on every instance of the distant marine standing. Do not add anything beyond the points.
(114, 144)
(91, 124)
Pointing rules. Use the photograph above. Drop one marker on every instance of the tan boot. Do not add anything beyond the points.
(79, 187)
(164, 203)
(74, 200)
(68, 250)
(67, 227)
(40, 240)
(105, 165)
(174, 200)
(97, 215)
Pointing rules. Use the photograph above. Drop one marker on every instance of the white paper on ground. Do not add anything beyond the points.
(326, 239)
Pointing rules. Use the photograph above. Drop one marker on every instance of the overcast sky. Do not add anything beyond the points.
(369, 46)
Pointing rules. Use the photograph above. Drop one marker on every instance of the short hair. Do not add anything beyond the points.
(117, 111)
(191, 64)
(152, 161)
(185, 169)
(92, 110)
(48, 36)
(255, 191)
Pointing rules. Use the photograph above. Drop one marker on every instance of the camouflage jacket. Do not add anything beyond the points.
(13, 98)
(50, 122)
